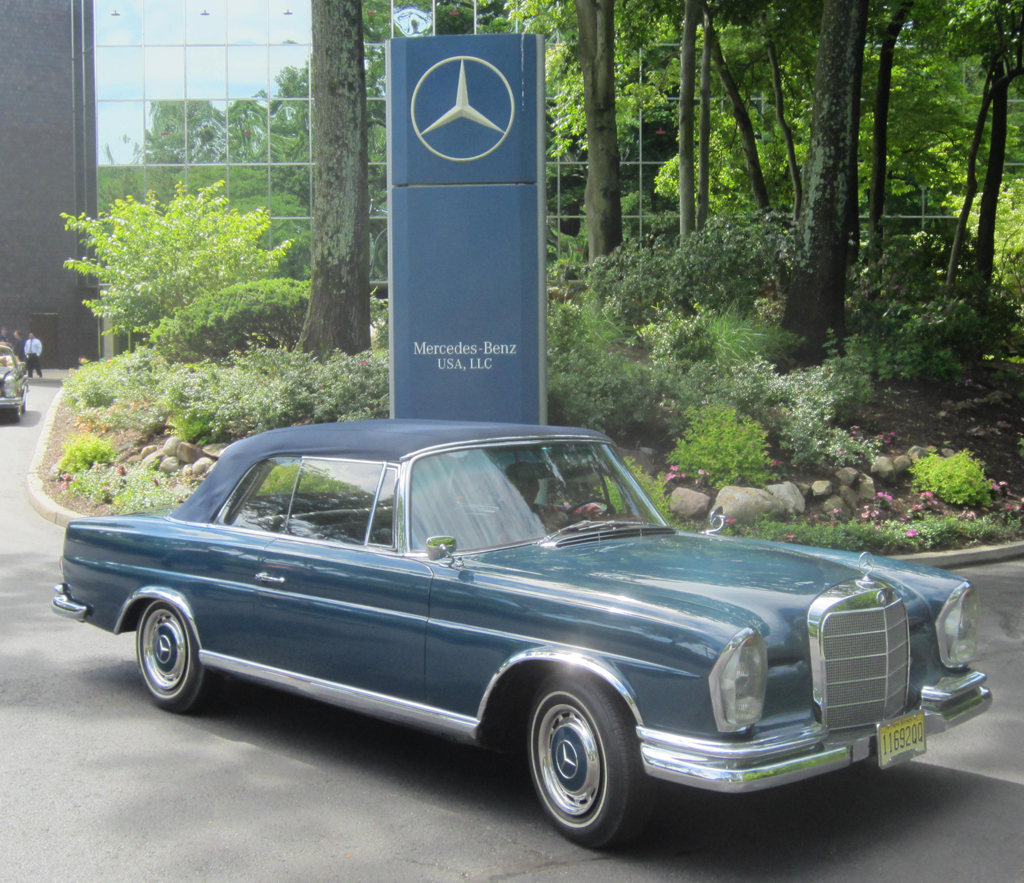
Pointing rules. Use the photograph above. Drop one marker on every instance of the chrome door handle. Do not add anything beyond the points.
(264, 577)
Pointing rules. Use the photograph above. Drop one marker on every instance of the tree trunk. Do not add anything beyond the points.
(339, 302)
(746, 128)
(687, 88)
(972, 183)
(880, 136)
(704, 135)
(596, 54)
(787, 133)
(815, 302)
(986, 248)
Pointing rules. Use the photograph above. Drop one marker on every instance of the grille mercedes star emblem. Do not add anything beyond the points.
(463, 108)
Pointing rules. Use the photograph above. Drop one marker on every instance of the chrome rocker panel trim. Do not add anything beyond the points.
(64, 605)
(459, 727)
(738, 767)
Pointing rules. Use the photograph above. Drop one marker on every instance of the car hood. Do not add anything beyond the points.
(769, 586)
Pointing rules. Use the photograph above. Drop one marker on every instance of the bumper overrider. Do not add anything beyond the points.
(64, 605)
(781, 758)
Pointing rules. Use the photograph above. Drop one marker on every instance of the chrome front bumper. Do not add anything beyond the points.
(64, 605)
(779, 759)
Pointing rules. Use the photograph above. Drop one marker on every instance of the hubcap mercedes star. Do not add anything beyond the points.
(164, 651)
(570, 761)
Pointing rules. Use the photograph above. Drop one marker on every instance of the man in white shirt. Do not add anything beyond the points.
(33, 350)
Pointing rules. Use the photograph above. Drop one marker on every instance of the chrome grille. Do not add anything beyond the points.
(863, 658)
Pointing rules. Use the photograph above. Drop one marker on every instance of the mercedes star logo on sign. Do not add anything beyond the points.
(483, 127)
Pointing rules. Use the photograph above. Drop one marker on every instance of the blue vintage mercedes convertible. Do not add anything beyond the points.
(512, 586)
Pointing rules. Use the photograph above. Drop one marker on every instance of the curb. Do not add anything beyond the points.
(966, 557)
(47, 508)
(61, 515)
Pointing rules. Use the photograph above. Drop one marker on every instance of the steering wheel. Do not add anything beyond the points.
(574, 511)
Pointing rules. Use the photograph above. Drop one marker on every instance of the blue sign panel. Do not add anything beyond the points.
(465, 215)
(464, 109)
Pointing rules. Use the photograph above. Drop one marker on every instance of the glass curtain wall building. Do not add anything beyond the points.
(199, 91)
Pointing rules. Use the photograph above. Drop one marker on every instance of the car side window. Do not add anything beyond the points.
(333, 500)
(262, 498)
(382, 530)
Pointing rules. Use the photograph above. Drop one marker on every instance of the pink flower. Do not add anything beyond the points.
(912, 533)
(791, 536)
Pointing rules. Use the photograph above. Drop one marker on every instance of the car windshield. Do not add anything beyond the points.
(502, 495)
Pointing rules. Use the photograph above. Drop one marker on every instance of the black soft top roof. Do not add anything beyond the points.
(358, 439)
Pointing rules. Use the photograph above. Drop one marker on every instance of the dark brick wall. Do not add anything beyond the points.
(38, 176)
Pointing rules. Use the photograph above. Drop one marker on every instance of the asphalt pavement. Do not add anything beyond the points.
(98, 785)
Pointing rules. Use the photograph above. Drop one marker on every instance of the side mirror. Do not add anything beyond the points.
(439, 548)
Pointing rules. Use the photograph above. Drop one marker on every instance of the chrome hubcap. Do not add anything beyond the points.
(569, 760)
(164, 650)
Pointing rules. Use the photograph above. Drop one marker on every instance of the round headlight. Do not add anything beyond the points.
(957, 627)
(738, 682)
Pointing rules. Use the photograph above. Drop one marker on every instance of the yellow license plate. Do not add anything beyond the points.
(901, 739)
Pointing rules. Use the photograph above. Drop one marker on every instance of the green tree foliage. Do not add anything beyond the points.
(154, 259)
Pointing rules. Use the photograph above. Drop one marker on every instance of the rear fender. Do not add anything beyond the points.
(131, 610)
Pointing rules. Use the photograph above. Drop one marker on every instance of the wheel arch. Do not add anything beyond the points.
(140, 599)
(505, 705)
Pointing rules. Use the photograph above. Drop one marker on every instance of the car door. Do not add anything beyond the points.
(335, 601)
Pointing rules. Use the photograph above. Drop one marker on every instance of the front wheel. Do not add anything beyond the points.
(585, 763)
(168, 654)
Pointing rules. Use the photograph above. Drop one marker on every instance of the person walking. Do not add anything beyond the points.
(33, 350)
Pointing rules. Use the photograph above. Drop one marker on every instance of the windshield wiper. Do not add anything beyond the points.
(598, 526)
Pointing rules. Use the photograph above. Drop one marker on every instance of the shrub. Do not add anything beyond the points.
(82, 451)
(730, 448)
(734, 260)
(125, 392)
(959, 479)
(638, 281)
(269, 313)
(596, 381)
(887, 537)
(908, 324)
(726, 267)
(802, 408)
(131, 488)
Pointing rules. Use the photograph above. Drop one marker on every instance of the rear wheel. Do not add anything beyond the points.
(585, 763)
(168, 654)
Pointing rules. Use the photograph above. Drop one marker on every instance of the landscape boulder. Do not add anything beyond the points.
(188, 452)
(746, 504)
(821, 489)
(171, 446)
(688, 504)
(847, 475)
(835, 508)
(788, 496)
(201, 466)
(883, 470)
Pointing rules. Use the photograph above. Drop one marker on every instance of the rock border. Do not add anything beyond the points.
(61, 515)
